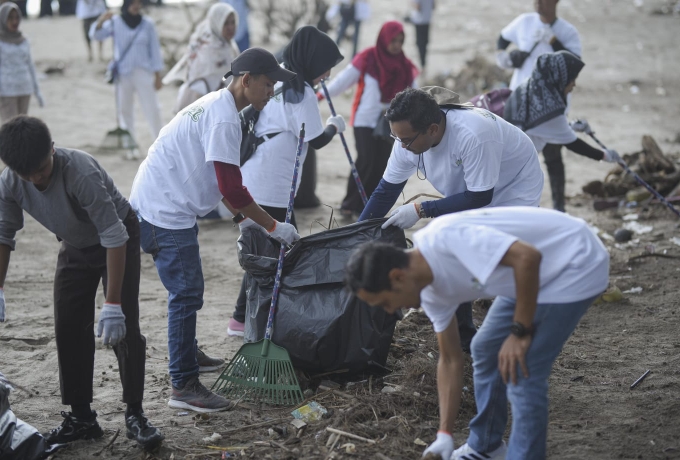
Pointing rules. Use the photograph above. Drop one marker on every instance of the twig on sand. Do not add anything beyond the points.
(349, 435)
(109, 444)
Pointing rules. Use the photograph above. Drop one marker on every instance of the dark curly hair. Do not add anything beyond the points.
(369, 266)
(417, 107)
(25, 143)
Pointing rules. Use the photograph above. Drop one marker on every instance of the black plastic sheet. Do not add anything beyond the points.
(322, 325)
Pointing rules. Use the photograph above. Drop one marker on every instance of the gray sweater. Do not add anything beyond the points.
(81, 205)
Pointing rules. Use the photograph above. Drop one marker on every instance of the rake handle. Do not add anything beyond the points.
(355, 173)
(639, 180)
(282, 252)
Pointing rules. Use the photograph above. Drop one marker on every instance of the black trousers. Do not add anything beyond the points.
(422, 39)
(240, 308)
(552, 154)
(372, 157)
(76, 280)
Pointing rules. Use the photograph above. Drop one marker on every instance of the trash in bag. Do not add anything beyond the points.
(18, 440)
(321, 324)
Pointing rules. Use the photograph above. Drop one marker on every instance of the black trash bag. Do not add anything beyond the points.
(18, 440)
(323, 326)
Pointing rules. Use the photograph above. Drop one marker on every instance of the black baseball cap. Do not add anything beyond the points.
(259, 61)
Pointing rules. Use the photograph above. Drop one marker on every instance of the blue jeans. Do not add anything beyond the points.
(175, 253)
(554, 324)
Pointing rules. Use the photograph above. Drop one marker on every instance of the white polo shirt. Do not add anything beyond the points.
(464, 250)
(479, 151)
(177, 181)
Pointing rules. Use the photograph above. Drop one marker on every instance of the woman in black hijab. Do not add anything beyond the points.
(310, 54)
(538, 107)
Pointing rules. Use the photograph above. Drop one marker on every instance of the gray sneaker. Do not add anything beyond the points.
(206, 363)
(194, 396)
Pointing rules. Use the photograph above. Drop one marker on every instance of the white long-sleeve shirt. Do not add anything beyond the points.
(17, 71)
(145, 52)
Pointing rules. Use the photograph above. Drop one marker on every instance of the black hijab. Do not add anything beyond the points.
(310, 54)
(541, 97)
(132, 20)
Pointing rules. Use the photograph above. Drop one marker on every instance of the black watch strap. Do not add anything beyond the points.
(238, 218)
(520, 330)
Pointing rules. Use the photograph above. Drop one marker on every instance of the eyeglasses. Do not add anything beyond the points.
(407, 145)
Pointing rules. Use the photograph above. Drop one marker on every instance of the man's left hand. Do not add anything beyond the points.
(513, 352)
(403, 217)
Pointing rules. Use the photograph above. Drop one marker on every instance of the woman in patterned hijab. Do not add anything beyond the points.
(543, 96)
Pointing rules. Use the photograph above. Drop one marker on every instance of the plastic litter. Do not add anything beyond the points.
(310, 412)
(638, 228)
(635, 290)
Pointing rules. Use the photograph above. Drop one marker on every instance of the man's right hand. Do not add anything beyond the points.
(2, 305)
(284, 233)
(443, 446)
(518, 57)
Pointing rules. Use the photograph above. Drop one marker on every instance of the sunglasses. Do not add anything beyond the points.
(406, 144)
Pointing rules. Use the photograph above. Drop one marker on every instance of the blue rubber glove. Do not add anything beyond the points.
(111, 324)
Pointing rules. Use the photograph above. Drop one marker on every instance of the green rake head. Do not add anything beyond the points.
(260, 372)
(118, 139)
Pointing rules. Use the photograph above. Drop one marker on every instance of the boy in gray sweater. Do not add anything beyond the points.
(71, 195)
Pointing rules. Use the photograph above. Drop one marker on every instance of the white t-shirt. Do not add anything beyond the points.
(479, 151)
(464, 250)
(269, 172)
(554, 131)
(526, 30)
(86, 9)
(177, 181)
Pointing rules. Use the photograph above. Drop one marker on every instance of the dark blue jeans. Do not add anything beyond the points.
(177, 259)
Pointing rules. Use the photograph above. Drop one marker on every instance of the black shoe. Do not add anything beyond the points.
(139, 429)
(73, 429)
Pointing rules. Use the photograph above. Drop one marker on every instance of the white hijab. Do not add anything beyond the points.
(208, 53)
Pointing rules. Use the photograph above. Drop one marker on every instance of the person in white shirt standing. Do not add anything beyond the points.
(535, 34)
(191, 167)
(379, 72)
(544, 269)
(89, 11)
(310, 54)
(470, 156)
(421, 17)
(18, 80)
(138, 59)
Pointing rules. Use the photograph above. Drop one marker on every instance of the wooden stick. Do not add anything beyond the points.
(336, 392)
(110, 443)
(349, 435)
(255, 425)
(382, 456)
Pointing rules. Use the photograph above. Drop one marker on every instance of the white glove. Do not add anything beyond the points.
(443, 446)
(612, 156)
(403, 217)
(503, 59)
(39, 97)
(581, 126)
(338, 122)
(2, 305)
(112, 324)
(284, 233)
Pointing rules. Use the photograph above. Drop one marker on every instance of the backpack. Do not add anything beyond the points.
(493, 101)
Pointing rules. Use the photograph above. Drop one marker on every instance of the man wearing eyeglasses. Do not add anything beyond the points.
(469, 155)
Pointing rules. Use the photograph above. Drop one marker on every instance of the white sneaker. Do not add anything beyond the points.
(466, 452)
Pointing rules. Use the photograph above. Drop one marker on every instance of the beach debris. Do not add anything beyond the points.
(310, 412)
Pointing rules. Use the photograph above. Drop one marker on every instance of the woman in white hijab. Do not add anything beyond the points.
(210, 52)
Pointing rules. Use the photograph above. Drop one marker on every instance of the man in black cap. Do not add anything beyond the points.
(191, 167)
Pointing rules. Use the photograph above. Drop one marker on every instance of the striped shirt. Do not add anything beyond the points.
(145, 51)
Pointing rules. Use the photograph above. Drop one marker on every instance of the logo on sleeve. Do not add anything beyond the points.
(195, 112)
(484, 113)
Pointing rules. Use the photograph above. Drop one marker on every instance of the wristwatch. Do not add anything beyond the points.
(520, 330)
(238, 218)
(421, 212)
